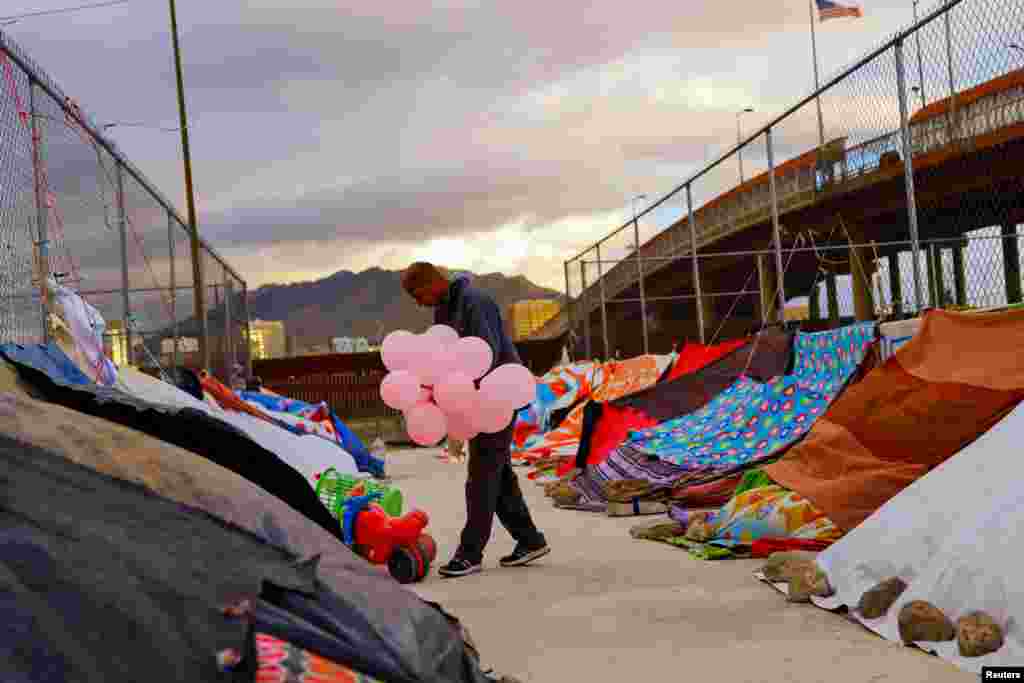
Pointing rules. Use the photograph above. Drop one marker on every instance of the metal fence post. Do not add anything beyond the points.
(604, 308)
(125, 296)
(908, 172)
(42, 215)
(696, 265)
(248, 329)
(174, 290)
(586, 313)
(953, 122)
(640, 279)
(777, 233)
(229, 327)
(570, 307)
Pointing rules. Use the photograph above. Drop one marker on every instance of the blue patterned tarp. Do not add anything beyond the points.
(750, 421)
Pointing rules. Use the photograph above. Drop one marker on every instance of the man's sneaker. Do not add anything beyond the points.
(459, 567)
(524, 555)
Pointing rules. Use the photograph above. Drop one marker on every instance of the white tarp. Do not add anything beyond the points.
(952, 537)
(309, 454)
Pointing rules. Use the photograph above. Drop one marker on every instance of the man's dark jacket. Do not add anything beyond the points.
(474, 313)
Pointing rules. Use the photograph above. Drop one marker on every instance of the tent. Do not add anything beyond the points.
(950, 537)
(940, 391)
(191, 428)
(79, 548)
(612, 380)
(295, 412)
(607, 425)
(746, 423)
(559, 389)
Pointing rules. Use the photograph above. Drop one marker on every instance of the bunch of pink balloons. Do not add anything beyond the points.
(431, 379)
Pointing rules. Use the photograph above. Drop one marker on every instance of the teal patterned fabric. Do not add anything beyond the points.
(750, 421)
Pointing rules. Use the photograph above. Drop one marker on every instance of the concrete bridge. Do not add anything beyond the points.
(967, 154)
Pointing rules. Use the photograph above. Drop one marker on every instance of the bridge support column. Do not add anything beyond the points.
(833, 299)
(895, 283)
(862, 267)
(814, 303)
(959, 273)
(769, 288)
(935, 279)
(1011, 263)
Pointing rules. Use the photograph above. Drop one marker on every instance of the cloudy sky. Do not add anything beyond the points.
(492, 136)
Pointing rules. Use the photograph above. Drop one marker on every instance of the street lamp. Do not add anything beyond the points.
(739, 137)
(197, 269)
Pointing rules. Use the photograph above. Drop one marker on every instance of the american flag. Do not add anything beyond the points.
(832, 10)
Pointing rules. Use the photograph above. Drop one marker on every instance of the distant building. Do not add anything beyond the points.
(115, 343)
(185, 345)
(797, 312)
(350, 345)
(268, 339)
(527, 316)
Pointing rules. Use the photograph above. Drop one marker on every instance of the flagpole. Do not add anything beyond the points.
(817, 83)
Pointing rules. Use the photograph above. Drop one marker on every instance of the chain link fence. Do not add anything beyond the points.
(73, 209)
(915, 149)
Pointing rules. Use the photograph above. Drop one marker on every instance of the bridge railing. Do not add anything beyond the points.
(939, 90)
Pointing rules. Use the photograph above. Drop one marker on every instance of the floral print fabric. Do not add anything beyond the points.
(764, 512)
(559, 388)
(278, 661)
(751, 421)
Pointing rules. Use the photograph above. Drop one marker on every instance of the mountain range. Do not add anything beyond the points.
(367, 304)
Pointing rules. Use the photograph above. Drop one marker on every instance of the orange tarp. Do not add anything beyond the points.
(940, 391)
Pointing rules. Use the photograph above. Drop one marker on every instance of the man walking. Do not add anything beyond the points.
(492, 486)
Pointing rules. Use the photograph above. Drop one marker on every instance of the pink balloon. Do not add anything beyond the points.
(446, 334)
(510, 383)
(400, 389)
(455, 393)
(461, 427)
(474, 356)
(426, 424)
(425, 395)
(440, 365)
(492, 417)
(425, 349)
(396, 350)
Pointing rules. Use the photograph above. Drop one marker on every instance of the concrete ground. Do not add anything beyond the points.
(606, 607)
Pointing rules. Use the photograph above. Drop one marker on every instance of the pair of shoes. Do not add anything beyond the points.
(524, 555)
(459, 566)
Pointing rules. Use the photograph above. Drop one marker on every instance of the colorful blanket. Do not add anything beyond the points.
(607, 425)
(611, 380)
(760, 510)
(958, 376)
(306, 418)
(751, 421)
(560, 388)
(626, 463)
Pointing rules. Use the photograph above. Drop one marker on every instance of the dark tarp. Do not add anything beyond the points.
(190, 429)
(606, 425)
(388, 630)
(103, 581)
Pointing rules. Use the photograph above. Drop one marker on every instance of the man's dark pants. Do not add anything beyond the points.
(492, 487)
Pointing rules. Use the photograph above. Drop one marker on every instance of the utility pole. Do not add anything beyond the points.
(199, 286)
